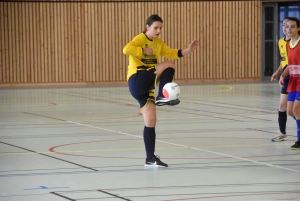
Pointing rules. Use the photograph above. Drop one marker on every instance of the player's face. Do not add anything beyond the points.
(154, 29)
(284, 26)
(292, 29)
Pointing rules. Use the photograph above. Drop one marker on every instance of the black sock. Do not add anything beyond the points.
(282, 118)
(165, 77)
(149, 140)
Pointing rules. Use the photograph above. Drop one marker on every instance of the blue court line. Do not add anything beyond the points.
(45, 187)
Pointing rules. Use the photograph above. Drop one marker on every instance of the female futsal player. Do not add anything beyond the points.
(144, 72)
(293, 69)
(282, 116)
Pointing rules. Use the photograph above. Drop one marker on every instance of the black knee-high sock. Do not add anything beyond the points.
(149, 140)
(282, 118)
(165, 77)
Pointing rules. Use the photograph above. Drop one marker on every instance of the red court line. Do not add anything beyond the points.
(52, 149)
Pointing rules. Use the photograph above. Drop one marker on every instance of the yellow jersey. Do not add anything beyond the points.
(283, 52)
(139, 61)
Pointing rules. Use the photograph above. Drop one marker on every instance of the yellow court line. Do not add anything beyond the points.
(243, 145)
(227, 88)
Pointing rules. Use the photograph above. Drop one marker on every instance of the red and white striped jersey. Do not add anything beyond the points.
(293, 52)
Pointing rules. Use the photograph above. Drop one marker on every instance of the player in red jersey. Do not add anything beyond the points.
(293, 69)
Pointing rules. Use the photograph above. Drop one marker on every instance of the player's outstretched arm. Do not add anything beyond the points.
(194, 44)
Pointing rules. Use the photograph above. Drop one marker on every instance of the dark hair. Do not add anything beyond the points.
(151, 19)
(286, 18)
(295, 20)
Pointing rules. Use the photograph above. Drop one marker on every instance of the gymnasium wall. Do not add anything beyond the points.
(81, 42)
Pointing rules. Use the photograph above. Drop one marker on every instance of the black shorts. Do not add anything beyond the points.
(142, 85)
(285, 85)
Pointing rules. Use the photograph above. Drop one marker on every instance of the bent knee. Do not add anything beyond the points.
(168, 64)
(171, 64)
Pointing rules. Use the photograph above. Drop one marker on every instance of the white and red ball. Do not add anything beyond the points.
(171, 91)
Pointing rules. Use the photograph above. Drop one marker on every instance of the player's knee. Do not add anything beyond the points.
(282, 106)
(151, 122)
(290, 113)
(170, 64)
(296, 113)
(169, 71)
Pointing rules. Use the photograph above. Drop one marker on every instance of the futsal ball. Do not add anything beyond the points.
(171, 91)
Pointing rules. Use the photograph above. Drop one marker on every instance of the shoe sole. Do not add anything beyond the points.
(273, 140)
(166, 103)
(154, 165)
(295, 148)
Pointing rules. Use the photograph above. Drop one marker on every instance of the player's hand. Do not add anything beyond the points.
(274, 76)
(147, 51)
(281, 81)
(194, 44)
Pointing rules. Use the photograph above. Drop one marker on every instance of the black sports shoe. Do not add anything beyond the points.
(296, 146)
(161, 101)
(155, 162)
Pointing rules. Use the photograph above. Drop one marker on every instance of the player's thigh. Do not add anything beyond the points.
(141, 82)
(149, 114)
(296, 106)
(290, 103)
(163, 66)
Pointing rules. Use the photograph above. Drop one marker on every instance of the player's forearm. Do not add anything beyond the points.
(185, 51)
(279, 68)
(285, 72)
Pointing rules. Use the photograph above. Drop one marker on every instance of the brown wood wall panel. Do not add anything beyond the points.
(82, 42)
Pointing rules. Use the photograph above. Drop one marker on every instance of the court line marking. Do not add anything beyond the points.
(194, 148)
(113, 195)
(48, 156)
(228, 105)
(131, 149)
